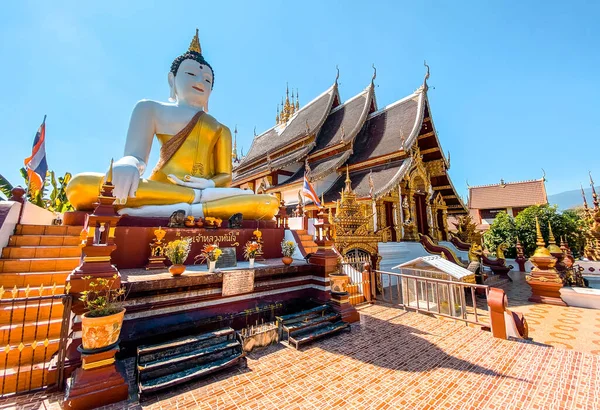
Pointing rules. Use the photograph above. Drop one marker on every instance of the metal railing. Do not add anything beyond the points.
(33, 339)
(424, 293)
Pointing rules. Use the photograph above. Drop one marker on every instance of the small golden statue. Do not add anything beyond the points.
(157, 252)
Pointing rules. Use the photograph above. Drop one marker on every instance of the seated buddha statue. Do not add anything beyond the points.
(193, 172)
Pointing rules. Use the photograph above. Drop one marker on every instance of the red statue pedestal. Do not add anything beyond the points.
(98, 382)
(326, 257)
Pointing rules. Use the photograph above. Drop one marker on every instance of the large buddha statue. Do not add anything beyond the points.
(194, 168)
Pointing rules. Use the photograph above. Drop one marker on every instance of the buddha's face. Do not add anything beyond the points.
(192, 84)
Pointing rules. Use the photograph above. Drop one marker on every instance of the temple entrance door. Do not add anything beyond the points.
(389, 218)
(421, 207)
(440, 224)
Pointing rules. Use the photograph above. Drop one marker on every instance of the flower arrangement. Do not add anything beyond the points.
(101, 297)
(178, 250)
(211, 252)
(251, 249)
(211, 222)
(288, 248)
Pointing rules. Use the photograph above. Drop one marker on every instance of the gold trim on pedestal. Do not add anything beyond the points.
(93, 365)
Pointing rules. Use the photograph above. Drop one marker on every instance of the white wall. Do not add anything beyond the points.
(8, 227)
(34, 215)
(289, 236)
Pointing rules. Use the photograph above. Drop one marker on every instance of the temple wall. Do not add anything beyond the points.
(9, 217)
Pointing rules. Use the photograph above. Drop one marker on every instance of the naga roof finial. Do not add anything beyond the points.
(374, 73)
(337, 76)
(427, 74)
(195, 44)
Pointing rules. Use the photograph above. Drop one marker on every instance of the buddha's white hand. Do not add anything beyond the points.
(192, 182)
(126, 178)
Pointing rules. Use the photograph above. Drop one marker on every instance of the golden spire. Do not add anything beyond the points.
(292, 106)
(234, 155)
(585, 204)
(539, 238)
(276, 117)
(541, 250)
(297, 100)
(348, 181)
(195, 44)
(551, 238)
(552, 247)
(109, 175)
(594, 195)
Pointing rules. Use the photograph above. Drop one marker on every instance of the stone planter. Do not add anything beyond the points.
(176, 270)
(100, 332)
(338, 282)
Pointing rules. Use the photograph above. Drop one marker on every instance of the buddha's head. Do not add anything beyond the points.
(191, 77)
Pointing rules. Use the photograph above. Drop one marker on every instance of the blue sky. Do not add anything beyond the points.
(516, 83)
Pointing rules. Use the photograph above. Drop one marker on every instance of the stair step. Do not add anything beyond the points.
(21, 252)
(317, 332)
(29, 331)
(32, 311)
(182, 341)
(173, 360)
(43, 240)
(28, 355)
(183, 376)
(38, 265)
(306, 237)
(33, 279)
(315, 320)
(48, 230)
(298, 315)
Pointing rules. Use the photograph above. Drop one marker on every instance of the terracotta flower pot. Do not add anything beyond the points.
(287, 260)
(177, 270)
(99, 332)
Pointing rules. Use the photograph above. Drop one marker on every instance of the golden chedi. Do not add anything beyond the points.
(544, 281)
(193, 172)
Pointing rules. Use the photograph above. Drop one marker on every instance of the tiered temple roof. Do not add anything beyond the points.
(377, 145)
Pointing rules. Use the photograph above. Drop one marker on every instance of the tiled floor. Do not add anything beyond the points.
(560, 326)
(395, 359)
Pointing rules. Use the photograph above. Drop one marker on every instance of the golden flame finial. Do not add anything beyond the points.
(195, 44)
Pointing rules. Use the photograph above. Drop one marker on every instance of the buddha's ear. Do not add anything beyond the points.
(173, 92)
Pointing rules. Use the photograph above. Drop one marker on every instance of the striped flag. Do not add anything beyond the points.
(36, 164)
(309, 192)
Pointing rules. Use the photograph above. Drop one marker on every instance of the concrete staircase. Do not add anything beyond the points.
(306, 244)
(35, 263)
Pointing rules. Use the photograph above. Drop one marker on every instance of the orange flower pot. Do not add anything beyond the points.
(176, 270)
(99, 332)
(287, 260)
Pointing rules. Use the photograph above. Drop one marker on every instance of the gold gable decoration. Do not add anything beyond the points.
(352, 224)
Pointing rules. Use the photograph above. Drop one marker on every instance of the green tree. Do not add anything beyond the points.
(567, 224)
(503, 229)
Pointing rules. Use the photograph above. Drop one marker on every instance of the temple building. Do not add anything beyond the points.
(486, 201)
(393, 156)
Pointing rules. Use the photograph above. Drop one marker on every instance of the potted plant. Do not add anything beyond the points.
(287, 249)
(250, 251)
(211, 253)
(101, 324)
(177, 252)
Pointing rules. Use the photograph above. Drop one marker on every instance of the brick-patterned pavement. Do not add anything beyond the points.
(392, 359)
